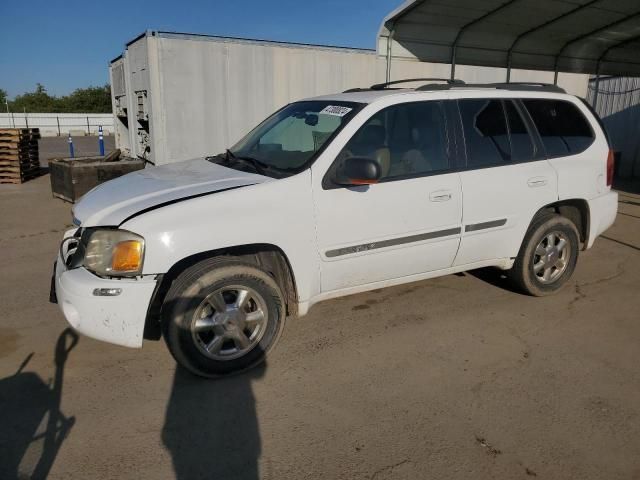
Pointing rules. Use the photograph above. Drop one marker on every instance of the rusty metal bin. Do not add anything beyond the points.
(73, 177)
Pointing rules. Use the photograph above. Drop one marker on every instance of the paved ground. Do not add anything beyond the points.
(58, 147)
(452, 378)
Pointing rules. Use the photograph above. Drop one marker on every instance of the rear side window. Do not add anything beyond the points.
(562, 127)
(485, 132)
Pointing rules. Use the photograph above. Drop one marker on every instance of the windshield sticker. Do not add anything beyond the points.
(336, 110)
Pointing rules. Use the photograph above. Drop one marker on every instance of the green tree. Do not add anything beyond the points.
(3, 97)
(89, 100)
(82, 100)
(37, 101)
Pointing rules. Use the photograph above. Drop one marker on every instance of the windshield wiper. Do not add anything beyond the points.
(259, 167)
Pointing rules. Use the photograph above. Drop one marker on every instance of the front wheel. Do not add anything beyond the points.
(222, 316)
(547, 257)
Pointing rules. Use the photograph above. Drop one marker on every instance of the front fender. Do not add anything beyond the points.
(279, 213)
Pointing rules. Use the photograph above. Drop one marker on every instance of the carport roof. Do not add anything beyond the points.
(580, 36)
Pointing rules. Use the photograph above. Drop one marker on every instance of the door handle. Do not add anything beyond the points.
(537, 182)
(440, 196)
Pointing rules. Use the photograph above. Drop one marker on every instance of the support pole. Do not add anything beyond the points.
(595, 95)
(464, 28)
(539, 27)
(389, 43)
(453, 63)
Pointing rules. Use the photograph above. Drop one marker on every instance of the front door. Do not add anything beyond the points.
(407, 224)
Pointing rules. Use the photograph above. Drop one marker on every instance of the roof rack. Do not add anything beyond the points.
(448, 81)
(513, 86)
(547, 87)
(455, 83)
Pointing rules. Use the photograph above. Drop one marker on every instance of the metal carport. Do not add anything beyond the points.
(578, 36)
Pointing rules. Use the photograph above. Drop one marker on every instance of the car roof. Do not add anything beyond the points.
(369, 96)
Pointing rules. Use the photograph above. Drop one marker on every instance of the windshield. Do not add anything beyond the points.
(291, 138)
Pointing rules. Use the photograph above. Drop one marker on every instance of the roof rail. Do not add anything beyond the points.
(513, 86)
(548, 87)
(450, 84)
(448, 81)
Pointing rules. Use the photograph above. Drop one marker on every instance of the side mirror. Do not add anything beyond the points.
(358, 171)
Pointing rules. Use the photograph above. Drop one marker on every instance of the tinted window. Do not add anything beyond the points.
(485, 132)
(408, 139)
(522, 148)
(562, 127)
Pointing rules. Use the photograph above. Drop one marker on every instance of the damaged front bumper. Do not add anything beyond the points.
(117, 317)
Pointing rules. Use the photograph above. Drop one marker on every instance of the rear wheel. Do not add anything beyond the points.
(222, 316)
(548, 255)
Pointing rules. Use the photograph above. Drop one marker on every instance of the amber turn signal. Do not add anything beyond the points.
(126, 256)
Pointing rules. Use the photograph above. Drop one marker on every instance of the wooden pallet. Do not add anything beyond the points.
(19, 177)
(17, 163)
(18, 133)
(17, 168)
(19, 157)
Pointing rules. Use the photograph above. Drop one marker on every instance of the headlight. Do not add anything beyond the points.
(114, 253)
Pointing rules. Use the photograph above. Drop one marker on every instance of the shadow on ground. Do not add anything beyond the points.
(495, 277)
(32, 427)
(211, 428)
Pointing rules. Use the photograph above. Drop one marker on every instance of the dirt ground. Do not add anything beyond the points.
(451, 378)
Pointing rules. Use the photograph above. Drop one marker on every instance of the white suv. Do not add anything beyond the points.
(332, 196)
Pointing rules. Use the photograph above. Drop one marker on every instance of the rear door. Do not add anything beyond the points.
(505, 181)
(571, 146)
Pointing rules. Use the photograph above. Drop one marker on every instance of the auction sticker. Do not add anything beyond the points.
(336, 110)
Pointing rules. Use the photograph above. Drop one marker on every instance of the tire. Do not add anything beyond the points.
(210, 328)
(529, 272)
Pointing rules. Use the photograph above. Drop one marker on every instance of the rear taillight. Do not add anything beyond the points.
(610, 165)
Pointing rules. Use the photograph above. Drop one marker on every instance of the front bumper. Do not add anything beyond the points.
(118, 319)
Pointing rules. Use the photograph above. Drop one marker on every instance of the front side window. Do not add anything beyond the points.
(562, 127)
(290, 139)
(408, 139)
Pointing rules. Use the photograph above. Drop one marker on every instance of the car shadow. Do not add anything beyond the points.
(211, 427)
(32, 427)
(495, 277)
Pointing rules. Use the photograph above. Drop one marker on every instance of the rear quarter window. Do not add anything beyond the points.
(563, 128)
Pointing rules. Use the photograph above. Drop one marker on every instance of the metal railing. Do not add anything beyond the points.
(58, 124)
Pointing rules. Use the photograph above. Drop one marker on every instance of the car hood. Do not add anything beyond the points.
(113, 202)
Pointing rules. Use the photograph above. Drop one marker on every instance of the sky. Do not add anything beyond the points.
(66, 45)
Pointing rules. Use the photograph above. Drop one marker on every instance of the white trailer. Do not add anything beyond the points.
(178, 96)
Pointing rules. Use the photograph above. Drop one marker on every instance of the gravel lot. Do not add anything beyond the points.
(451, 378)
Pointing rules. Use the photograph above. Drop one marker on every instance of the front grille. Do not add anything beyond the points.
(76, 252)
